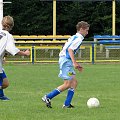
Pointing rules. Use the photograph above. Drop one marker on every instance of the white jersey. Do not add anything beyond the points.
(6, 44)
(74, 43)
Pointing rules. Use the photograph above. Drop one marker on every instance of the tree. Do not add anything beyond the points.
(35, 17)
(31, 17)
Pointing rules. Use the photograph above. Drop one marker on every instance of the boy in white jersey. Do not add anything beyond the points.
(67, 64)
(7, 44)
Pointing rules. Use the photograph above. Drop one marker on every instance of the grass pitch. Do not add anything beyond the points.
(28, 83)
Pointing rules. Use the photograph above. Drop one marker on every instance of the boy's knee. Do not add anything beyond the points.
(5, 84)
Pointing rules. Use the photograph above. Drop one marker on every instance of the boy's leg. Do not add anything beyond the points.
(61, 88)
(49, 96)
(69, 97)
(3, 83)
(55, 92)
(66, 85)
(65, 73)
(70, 93)
(1, 90)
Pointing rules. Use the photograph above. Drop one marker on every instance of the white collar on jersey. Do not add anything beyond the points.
(78, 34)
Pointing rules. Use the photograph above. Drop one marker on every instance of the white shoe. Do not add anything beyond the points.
(47, 101)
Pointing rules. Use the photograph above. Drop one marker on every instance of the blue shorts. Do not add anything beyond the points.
(2, 75)
(66, 68)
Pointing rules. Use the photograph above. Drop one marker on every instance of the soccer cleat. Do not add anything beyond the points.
(70, 106)
(4, 98)
(47, 101)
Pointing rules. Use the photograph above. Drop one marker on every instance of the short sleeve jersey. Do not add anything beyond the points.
(6, 44)
(74, 43)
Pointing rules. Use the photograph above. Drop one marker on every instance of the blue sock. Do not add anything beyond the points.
(53, 94)
(1, 93)
(69, 97)
(1, 90)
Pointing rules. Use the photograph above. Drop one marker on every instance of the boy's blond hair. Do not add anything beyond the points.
(82, 25)
(7, 23)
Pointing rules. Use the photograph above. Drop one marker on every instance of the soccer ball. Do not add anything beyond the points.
(93, 103)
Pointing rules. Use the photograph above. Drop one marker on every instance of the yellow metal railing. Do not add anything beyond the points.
(41, 37)
(49, 54)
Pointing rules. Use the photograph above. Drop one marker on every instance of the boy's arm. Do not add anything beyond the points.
(72, 57)
(24, 53)
(75, 64)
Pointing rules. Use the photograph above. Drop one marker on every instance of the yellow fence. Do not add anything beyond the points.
(107, 53)
(50, 54)
(32, 38)
(47, 48)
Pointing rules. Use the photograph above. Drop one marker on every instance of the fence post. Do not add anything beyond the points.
(32, 54)
(93, 60)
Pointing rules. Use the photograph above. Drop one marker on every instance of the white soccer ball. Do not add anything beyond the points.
(93, 103)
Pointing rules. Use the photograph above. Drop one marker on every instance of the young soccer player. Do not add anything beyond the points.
(67, 63)
(7, 44)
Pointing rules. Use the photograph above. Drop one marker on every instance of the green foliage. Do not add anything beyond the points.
(32, 17)
(36, 17)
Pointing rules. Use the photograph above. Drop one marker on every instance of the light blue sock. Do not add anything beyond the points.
(69, 97)
(53, 94)
(1, 90)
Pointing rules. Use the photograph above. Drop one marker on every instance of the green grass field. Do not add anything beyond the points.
(28, 83)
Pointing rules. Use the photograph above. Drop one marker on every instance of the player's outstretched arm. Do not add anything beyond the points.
(24, 53)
